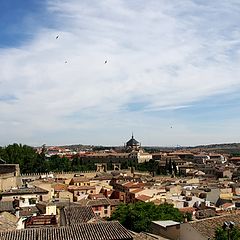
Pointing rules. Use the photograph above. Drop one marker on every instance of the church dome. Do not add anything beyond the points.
(132, 142)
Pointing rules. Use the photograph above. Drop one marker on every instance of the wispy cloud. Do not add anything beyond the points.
(161, 55)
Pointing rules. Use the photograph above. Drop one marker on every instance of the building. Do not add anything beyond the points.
(205, 229)
(9, 176)
(102, 207)
(132, 144)
(76, 214)
(24, 196)
(169, 229)
(111, 230)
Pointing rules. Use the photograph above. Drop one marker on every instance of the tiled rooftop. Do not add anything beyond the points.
(207, 226)
(7, 222)
(147, 236)
(79, 214)
(28, 211)
(96, 202)
(21, 191)
(86, 231)
(6, 206)
(143, 198)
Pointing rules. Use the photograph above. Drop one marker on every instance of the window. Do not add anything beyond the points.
(105, 207)
(97, 208)
(32, 200)
(105, 211)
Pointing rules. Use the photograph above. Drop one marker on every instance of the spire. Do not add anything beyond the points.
(132, 135)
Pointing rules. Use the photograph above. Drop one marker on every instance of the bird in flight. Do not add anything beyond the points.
(57, 36)
(65, 61)
(105, 62)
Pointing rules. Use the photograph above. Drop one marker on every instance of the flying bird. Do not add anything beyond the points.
(57, 36)
(65, 61)
(105, 62)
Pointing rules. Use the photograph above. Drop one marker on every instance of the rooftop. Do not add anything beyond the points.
(207, 226)
(6, 206)
(22, 191)
(7, 222)
(77, 214)
(166, 223)
(112, 230)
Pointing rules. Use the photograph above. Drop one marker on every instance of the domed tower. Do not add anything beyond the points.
(132, 144)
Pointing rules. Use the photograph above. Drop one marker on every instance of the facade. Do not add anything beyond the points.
(24, 196)
(101, 207)
(9, 176)
(168, 228)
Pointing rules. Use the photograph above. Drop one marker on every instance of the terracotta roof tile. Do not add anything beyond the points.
(111, 230)
(143, 198)
(207, 226)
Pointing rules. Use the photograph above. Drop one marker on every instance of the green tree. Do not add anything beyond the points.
(58, 164)
(174, 166)
(152, 166)
(138, 216)
(24, 155)
(221, 234)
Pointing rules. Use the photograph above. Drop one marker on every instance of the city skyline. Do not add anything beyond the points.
(92, 72)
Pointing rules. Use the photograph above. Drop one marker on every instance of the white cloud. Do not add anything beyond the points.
(164, 54)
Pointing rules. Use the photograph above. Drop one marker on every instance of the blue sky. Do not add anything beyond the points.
(172, 74)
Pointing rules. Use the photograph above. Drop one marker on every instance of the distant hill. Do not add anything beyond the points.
(229, 148)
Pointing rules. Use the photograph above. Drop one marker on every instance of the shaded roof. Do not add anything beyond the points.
(78, 214)
(207, 227)
(147, 236)
(143, 198)
(8, 168)
(41, 221)
(6, 206)
(22, 191)
(79, 179)
(112, 230)
(94, 202)
(76, 188)
(28, 211)
(187, 209)
(7, 221)
(60, 187)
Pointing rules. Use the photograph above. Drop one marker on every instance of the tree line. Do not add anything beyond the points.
(32, 162)
(153, 167)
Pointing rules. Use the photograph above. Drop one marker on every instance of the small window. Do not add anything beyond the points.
(105, 211)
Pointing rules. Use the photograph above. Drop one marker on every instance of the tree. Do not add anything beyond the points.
(221, 234)
(174, 166)
(138, 216)
(152, 166)
(58, 164)
(170, 166)
(24, 155)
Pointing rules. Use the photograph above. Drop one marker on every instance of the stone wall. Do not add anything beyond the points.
(7, 182)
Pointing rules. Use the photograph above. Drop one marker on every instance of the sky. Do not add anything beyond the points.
(172, 75)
